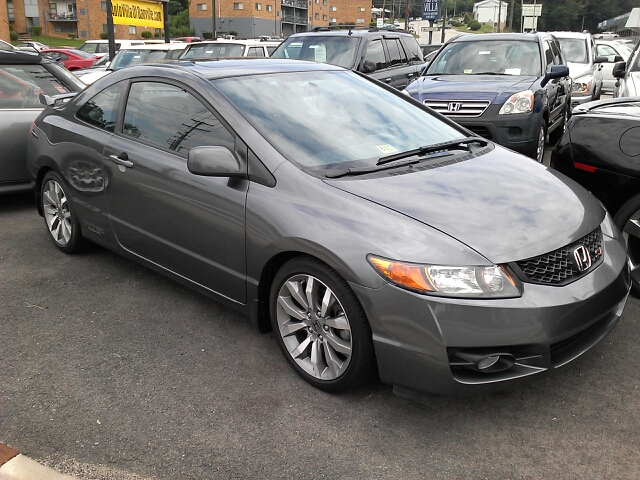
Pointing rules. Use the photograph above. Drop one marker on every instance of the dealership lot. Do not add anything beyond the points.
(107, 363)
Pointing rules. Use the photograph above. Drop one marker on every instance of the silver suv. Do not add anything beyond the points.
(585, 67)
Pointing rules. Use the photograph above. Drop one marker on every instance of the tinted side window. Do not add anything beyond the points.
(548, 56)
(413, 49)
(557, 56)
(375, 54)
(102, 110)
(171, 118)
(397, 56)
(255, 52)
(20, 85)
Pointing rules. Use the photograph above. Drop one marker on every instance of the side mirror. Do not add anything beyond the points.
(369, 66)
(214, 162)
(618, 58)
(557, 71)
(619, 69)
(601, 59)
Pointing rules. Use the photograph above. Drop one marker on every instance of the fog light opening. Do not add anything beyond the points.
(487, 362)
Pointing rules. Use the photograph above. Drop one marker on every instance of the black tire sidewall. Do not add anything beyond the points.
(75, 243)
(620, 219)
(362, 360)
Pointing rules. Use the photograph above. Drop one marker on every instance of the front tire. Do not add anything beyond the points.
(538, 153)
(320, 326)
(59, 215)
(627, 219)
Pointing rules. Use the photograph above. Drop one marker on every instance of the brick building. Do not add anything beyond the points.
(85, 19)
(4, 21)
(275, 17)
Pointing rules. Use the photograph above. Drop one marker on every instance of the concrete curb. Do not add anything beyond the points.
(16, 466)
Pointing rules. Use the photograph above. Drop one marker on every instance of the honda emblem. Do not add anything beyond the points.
(582, 259)
(454, 107)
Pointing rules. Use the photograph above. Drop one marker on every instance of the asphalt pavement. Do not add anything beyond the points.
(111, 371)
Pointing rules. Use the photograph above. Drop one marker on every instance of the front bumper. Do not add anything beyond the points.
(518, 132)
(417, 337)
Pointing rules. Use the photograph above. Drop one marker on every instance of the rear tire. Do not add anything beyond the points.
(59, 215)
(320, 326)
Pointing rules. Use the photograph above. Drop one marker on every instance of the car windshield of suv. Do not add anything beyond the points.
(574, 49)
(129, 57)
(332, 120)
(488, 57)
(209, 50)
(336, 50)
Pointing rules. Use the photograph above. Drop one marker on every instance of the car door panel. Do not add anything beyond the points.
(192, 225)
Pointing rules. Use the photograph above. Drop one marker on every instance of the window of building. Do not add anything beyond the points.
(10, 11)
(83, 11)
(324, 17)
(83, 34)
(201, 6)
(258, 6)
(333, 20)
(169, 118)
(238, 6)
(103, 6)
(360, 20)
(269, 8)
(317, 16)
(361, 9)
(324, 2)
(333, 9)
(104, 27)
(132, 30)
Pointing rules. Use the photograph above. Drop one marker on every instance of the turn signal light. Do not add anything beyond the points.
(407, 275)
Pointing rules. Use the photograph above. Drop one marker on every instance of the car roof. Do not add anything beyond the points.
(22, 57)
(155, 46)
(221, 68)
(527, 37)
(570, 34)
(249, 41)
(354, 32)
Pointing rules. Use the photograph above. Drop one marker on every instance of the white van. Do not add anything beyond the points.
(100, 48)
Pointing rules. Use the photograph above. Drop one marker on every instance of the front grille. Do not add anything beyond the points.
(458, 108)
(558, 267)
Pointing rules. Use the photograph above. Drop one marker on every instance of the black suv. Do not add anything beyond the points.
(389, 55)
(511, 88)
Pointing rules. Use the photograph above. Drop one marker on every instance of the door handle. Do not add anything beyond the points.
(409, 75)
(387, 80)
(122, 159)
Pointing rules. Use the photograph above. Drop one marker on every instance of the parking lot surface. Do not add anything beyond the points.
(110, 370)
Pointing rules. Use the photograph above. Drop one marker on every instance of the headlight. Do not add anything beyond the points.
(609, 228)
(582, 85)
(493, 281)
(521, 102)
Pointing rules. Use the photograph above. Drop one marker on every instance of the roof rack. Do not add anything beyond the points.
(342, 27)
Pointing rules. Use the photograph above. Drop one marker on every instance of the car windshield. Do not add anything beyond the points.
(574, 49)
(20, 85)
(213, 50)
(327, 121)
(496, 57)
(336, 50)
(133, 56)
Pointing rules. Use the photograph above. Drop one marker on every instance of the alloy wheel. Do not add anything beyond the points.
(56, 212)
(314, 327)
(541, 141)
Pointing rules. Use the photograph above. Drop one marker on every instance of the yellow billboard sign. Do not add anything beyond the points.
(137, 12)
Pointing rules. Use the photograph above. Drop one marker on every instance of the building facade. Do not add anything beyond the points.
(84, 19)
(4, 21)
(279, 18)
(491, 11)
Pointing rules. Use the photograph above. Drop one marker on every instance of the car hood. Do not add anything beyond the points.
(495, 88)
(503, 205)
(577, 70)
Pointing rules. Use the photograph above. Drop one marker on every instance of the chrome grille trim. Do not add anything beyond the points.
(468, 108)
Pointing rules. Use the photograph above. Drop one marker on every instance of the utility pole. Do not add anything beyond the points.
(213, 10)
(511, 17)
(110, 34)
(499, 13)
(444, 20)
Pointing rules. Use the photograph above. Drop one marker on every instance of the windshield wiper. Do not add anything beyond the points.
(420, 151)
(387, 166)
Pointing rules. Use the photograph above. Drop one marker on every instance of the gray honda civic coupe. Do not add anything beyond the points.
(372, 235)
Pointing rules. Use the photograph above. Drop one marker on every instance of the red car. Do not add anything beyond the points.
(71, 58)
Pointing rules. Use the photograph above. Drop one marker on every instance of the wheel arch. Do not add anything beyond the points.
(44, 164)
